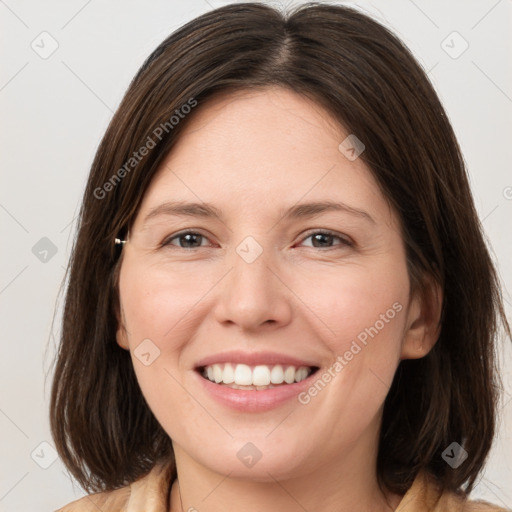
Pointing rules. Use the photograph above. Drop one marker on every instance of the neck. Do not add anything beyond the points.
(342, 484)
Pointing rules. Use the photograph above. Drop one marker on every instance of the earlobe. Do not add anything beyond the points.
(423, 321)
(121, 334)
(121, 338)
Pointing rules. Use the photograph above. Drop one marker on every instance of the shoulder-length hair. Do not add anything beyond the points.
(371, 84)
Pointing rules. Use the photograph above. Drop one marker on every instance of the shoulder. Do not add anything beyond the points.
(425, 496)
(105, 501)
(453, 502)
(483, 506)
(150, 492)
(476, 505)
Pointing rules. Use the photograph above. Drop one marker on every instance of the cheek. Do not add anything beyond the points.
(361, 303)
(365, 310)
(158, 305)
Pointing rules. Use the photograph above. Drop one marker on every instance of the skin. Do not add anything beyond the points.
(253, 155)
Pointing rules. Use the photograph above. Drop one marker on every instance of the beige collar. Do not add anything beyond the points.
(151, 493)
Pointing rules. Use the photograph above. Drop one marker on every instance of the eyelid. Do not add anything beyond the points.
(346, 240)
(167, 240)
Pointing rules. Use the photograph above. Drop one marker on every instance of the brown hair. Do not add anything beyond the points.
(370, 83)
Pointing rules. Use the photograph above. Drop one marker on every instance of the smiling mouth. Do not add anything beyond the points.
(258, 377)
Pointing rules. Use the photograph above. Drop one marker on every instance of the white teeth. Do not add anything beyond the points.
(289, 375)
(301, 374)
(243, 374)
(277, 375)
(261, 376)
(229, 374)
(257, 377)
(217, 373)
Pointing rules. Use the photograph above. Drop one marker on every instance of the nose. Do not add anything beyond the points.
(254, 295)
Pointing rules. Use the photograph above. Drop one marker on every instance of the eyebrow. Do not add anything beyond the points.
(206, 210)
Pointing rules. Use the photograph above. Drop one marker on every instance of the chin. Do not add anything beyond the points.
(259, 460)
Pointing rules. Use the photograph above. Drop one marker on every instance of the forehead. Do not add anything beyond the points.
(254, 150)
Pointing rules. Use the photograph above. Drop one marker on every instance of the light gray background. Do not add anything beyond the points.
(53, 114)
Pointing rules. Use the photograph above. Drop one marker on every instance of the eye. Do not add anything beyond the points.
(190, 239)
(193, 240)
(322, 239)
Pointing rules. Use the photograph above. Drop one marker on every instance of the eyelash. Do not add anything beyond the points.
(344, 240)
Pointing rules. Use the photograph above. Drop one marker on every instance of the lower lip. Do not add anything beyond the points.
(254, 400)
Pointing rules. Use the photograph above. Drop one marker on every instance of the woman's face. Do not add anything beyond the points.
(271, 280)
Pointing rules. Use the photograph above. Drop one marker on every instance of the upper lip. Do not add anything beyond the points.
(254, 359)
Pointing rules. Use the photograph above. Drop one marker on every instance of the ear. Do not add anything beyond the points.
(121, 338)
(423, 324)
(121, 333)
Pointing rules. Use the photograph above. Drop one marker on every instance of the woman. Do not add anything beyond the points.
(280, 296)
